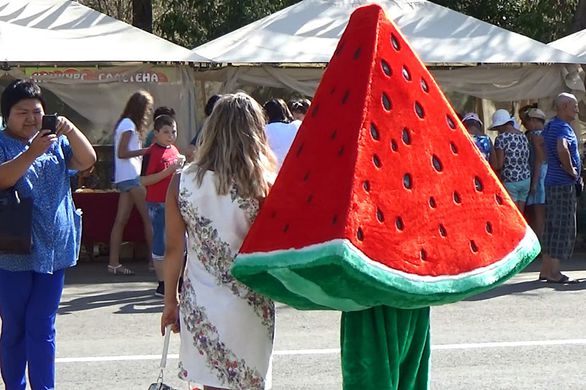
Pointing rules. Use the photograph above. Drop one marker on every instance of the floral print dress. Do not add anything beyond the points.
(226, 329)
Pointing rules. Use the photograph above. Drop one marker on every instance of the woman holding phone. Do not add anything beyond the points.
(36, 162)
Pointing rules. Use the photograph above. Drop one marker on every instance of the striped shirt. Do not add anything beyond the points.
(558, 129)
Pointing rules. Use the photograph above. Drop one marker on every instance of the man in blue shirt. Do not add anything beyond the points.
(564, 169)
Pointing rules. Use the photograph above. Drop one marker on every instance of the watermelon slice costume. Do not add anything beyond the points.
(382, 208)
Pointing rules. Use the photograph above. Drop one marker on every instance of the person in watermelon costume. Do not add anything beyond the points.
(383, 207)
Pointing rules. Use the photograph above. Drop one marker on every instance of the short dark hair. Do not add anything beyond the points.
(164, 110)
(15, 92)
(163, 120)
(276, 110)
(210, 104)
(299, 105)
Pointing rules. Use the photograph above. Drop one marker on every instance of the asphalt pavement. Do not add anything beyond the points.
(525, 334)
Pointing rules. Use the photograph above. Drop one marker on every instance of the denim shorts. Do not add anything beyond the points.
(127, 185)
(518, 190)
(157, 216)
(539, 196)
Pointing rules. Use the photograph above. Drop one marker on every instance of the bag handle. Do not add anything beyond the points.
(163, 363)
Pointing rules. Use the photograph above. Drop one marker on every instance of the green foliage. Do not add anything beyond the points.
(543, 20)
(191, 23)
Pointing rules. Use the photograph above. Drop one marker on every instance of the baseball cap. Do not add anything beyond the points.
(472, 116)
(501, 117)
(536, 113)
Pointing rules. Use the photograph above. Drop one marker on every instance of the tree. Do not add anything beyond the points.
(142, 14)
(191, 23)
(579, 20)
(543, 20)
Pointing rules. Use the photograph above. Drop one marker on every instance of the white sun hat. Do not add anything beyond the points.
(501, 117)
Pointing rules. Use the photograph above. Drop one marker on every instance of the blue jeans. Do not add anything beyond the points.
(157, 217)
(28, 307)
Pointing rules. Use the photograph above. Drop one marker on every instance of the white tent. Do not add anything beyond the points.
(574, 44)
(466, 54)
(62, 31)
(92, 63)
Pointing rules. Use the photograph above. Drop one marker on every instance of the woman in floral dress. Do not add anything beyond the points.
(226, 329)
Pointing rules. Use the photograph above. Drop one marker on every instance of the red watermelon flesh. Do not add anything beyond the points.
(383, 198)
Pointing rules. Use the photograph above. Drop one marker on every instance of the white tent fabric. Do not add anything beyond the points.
(574, 44)
(62, 31)
(308, 32)
(283, 49)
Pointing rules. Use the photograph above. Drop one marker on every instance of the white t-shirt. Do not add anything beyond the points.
(280, 136)
(126, 168)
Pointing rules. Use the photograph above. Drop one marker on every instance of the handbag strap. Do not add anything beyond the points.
(163, 363)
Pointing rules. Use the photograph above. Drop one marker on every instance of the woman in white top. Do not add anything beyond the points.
(130, 129)
(226, 329)
(280, 131)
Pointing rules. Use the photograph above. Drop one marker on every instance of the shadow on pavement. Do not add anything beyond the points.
(95, 272)
(523, 287)
(130, 302)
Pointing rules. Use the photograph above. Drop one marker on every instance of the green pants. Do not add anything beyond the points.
(384, 348)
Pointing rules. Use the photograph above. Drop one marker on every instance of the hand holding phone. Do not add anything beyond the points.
(49, 123)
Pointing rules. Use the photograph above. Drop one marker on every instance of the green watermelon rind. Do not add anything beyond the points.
(336, 275)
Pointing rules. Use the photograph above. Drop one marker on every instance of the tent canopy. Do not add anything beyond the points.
(574, 44)
(308, 32)
(61, 31)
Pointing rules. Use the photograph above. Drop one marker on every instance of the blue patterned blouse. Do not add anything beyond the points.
(56, 222)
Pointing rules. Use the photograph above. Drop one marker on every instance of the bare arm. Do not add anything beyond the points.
(499, 160)
(123, 151)
(566, 158)
(12, 170)
(148, 180)
(174, 249)
(84, 155)
(539, 158)
(492, 156)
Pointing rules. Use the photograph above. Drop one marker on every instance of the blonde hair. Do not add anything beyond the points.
(233, 144)
(139, 108)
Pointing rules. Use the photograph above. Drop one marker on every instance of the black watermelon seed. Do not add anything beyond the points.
(478, 184)
(473, 246)
(333, 136)
(379, 215)
(366, 185)
(489, 228)
(285, 228)
(386, 102)
(357, 53)
(374, 132)
(299, 150)
(314, 110)
(394, 146)
(386, 67)
(310, 198)
(345, 97)
(306, 177)
(399, 224)
(360, 234)
(451, 122)
(395, 42)
(423, 255)
(454, 148)
(407, 182)
(442, 231)
(457, 198)
(424, 86)
(406, 73)
(432, 203)
(341, 151)
(498, 199)
(437, 164)
(406, 136)
(376, 161)
(419, 110)
(334, 219)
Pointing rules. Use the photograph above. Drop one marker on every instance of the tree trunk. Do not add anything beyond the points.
(142, 14)
(579, 20)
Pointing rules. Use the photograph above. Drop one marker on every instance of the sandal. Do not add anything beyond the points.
(119, 270)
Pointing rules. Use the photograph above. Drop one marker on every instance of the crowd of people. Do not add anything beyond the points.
(541, 171)
(196, 216)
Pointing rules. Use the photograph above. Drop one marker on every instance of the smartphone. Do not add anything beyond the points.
(49, 123)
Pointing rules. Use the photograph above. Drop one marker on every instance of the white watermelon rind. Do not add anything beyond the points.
(356, 282)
